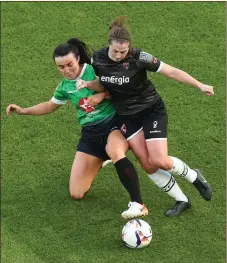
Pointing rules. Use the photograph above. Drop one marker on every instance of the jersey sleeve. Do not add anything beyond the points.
(60, 97)
(149, 62)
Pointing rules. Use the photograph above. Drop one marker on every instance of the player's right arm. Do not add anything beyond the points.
(95, 99)
(59, 98)
(93, 85)
(39, 109)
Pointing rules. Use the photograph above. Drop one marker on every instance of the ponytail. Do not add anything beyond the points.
(118, 22)
(84, 52)
(119, 31)
(75, 46)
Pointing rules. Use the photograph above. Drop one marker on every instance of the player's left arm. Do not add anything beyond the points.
(183, 77)
(151, 63)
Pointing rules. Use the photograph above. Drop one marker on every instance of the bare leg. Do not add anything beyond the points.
(84, 169)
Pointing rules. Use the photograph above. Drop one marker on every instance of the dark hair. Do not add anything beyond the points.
(119, 31)
(75, 46)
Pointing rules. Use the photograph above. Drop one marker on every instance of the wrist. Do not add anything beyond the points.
(88, 84)
(199, 85)
(103, 94)
(24, 111)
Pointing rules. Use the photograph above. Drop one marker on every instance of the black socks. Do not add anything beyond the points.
(129, 178)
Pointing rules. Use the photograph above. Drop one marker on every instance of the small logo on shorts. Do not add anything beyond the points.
(155, 131)
(155, 124)
(123, 128)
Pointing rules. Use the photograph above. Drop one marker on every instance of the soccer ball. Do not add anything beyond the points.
(136, 233)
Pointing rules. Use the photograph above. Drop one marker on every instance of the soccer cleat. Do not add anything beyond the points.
(202, 186)
(178, 208)
(135, 210)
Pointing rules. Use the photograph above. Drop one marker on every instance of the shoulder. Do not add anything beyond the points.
(89, 68)
(145, 57)
(64, 85)
(147, 61)
(101, 51)
(100, 54)
(88, 73)
(60, 85)
(135, 52)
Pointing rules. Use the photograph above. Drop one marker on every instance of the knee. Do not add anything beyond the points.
(77, 196)
(162, 163)
(78, 193)
(115, 154)
(148, 166)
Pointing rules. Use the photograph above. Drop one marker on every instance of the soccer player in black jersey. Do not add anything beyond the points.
(122, 71)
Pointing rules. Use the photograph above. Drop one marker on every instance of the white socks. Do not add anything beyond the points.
(181, 169)
(167, 183)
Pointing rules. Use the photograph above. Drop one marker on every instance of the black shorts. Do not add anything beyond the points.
(94, 138)
(153, 121)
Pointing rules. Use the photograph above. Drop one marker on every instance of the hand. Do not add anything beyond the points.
(14, 108)
(208, 90)
(80, 84)
(94, 100)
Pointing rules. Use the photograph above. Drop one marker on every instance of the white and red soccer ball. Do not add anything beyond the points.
(136, 233)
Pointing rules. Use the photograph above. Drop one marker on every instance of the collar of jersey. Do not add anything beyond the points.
(81, 73)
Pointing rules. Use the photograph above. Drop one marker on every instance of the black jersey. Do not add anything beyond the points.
(127, 81)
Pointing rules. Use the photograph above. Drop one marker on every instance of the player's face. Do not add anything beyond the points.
(68, 66)
(118, 51)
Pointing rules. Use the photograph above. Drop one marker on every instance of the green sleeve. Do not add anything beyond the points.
(60, 96)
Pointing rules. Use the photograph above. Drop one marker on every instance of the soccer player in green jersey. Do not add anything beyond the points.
(101, 137)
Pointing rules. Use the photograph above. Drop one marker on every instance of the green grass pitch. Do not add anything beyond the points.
(40, 223)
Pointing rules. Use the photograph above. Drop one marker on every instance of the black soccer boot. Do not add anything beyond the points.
(202, 186)
(178, 208)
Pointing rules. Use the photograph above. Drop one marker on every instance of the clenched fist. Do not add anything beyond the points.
(80, 84)
(208, 90)
(14, 108)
